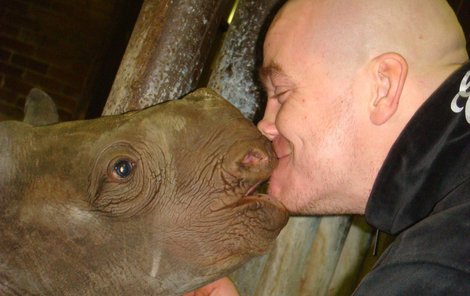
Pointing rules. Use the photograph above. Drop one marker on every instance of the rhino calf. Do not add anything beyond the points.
(152, 202)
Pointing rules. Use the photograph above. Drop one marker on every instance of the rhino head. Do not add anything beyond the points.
(153, 202)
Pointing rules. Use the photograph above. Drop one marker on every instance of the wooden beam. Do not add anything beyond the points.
(167, 52)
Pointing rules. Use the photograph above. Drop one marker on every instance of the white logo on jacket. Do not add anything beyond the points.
(464, 92)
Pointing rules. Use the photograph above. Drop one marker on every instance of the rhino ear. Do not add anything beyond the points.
(39, 109)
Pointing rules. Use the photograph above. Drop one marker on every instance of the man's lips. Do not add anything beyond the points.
(282, 147)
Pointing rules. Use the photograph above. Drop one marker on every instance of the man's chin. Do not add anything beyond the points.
(278, 194)
(293, 203)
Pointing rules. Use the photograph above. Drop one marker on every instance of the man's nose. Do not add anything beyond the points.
(267, 127)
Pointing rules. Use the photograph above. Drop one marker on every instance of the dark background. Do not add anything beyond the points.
(72, 50)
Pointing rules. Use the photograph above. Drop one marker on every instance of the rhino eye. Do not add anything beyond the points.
(123, 168)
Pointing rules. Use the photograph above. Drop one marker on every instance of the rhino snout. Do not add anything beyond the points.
(254, 159)
(251, 161)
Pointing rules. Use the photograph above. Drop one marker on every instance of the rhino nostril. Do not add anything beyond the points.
(250, 160)
(254, 158)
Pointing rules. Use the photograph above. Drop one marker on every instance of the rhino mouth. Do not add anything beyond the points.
(254, 194)
(255, 187)
(245, 170)
(265, 217)
(271, 211)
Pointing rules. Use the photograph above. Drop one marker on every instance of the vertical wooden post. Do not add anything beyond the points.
(167, 52)
(351, 261)
(236, 71)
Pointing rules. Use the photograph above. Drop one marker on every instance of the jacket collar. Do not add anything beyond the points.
(430, 158)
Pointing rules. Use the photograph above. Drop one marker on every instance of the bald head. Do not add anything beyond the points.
(424, 32)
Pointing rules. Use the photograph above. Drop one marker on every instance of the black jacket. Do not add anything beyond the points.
(422, 195)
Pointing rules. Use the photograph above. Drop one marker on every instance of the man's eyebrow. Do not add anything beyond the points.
(269, 70)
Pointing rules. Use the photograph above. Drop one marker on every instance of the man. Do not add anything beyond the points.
(367, 111)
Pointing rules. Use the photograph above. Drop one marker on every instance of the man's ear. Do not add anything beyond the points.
(389, 73)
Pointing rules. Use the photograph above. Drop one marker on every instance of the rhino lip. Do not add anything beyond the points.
(253, 188)
(238, 199)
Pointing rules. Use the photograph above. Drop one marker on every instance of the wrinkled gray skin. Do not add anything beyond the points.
(70, 224)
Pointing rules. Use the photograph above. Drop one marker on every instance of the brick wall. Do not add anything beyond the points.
(62, 47)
